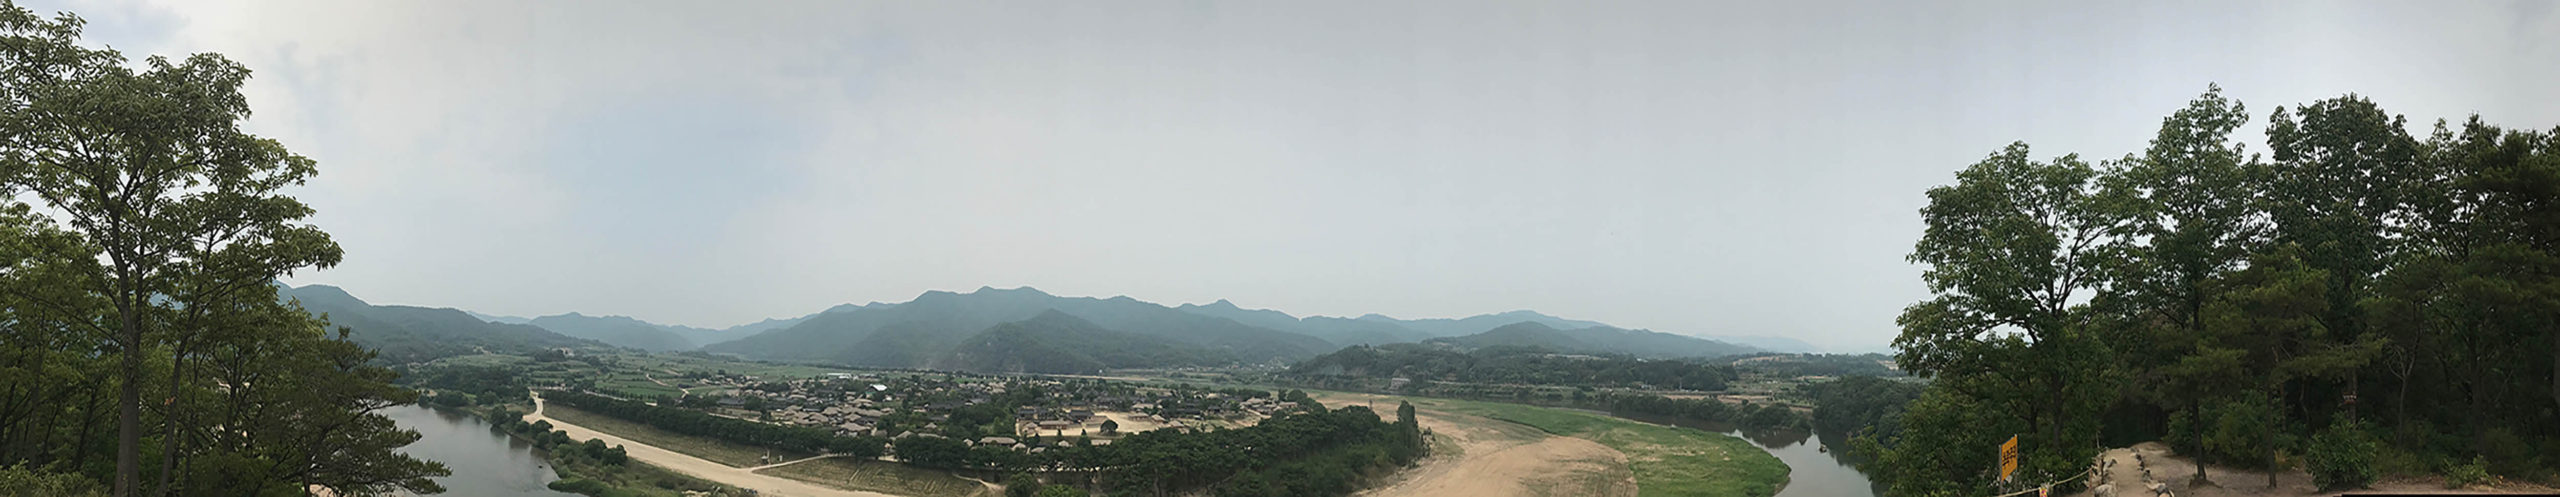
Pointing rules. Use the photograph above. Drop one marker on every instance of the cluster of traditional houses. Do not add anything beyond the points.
(857, 404)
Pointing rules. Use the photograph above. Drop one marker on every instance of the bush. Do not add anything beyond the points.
(2343, 456)
(579, 486)
(16, 481)
(2464, 475)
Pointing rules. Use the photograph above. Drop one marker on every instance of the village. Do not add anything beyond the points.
(1026, 414)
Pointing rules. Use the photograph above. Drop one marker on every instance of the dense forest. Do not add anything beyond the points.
(1514, 365)
(2356, 300)
(142, 345)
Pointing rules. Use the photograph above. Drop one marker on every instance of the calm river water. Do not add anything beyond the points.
(484, 461)
(1815, 471)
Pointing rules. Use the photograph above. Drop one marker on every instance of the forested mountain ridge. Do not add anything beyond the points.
(620, 331)
(402, 334)
(1595, 340)
(1339, 331)
(917, 332)
(1054, 342)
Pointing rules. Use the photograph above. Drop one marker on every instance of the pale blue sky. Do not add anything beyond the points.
(1693, 167)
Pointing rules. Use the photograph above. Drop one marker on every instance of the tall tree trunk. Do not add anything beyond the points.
(2195, 426)
(129, 418)
(170, 444)
(88, 423)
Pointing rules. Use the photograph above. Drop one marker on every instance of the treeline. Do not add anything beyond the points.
(597, 469)
(1744, 415)
(1316, 452)
(794, 438)
(2355, 299)
(142, 345)
(1313, 453)
(1796, 365)
(1510, 364)
(1864, 407)
(465, 386)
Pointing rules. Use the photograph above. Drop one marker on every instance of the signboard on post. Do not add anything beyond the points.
(2008, 457)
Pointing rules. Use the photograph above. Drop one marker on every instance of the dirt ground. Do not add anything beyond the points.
(2177, 474)
(1485, 457)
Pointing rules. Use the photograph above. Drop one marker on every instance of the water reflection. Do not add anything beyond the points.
(485, 461)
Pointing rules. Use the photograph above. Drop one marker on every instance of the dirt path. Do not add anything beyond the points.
(1486, 457)
(698, 467)
(2177, 474)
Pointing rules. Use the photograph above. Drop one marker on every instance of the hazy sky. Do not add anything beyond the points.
(1693, 167)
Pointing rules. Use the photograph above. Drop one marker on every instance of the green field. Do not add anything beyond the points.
(1666, 460)
(713, 450)
(880, 476)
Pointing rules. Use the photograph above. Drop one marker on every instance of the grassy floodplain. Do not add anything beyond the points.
(1667, 461)
(879, 476)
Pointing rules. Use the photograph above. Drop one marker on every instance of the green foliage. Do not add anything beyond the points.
(2463, 475)
(1021, 485)
(932, 452)
(18, 481)
(1061, 491)
(2343, 456)
(1861, 404)
(2356, 273)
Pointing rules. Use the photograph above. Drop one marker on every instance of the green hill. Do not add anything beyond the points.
(1054, 342)
(403, 334)
(1338, 331)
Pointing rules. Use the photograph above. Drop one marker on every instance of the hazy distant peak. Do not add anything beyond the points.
(1376, 317)
(1024, 290)
(324, 295)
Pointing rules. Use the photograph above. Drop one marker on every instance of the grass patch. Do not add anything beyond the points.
(709, 449)
(879, 476)
(632, 479)
(1666, 460)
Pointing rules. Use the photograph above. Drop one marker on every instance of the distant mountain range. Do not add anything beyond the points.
(1016, 330)
(400, 333)
(1595, 339)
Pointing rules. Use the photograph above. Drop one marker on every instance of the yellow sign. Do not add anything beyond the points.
(2008, 457)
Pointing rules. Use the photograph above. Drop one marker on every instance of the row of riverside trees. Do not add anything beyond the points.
(142, 345)
(696, 423)
(2357, 300)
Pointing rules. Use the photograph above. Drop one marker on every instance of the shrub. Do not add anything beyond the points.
(2343, 456)
(17, 481)
(2464, 475)
(579, 486)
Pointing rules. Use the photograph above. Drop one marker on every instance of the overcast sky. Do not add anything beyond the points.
(1694, 167)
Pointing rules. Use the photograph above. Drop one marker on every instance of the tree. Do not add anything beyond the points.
(1110, 426)
(2193, 222)
(164, 229)
(2010, 248)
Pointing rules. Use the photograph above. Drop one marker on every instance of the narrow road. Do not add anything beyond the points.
(699, 468)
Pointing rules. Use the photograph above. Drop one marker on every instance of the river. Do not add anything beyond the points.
(1816, 472)
(485, 462)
